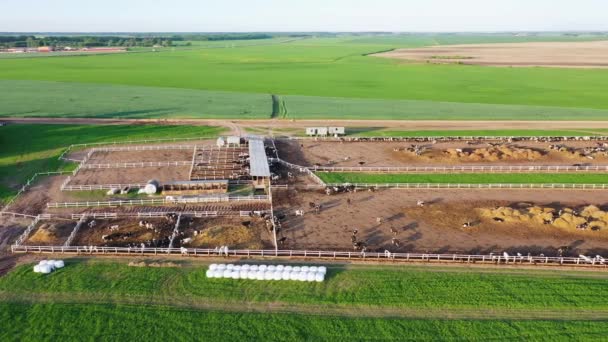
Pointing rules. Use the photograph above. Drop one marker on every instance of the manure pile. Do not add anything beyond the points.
(586, 218)
(493, 153)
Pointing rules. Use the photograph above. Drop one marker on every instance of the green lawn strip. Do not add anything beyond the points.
(466, 178)
(77, 322)
(27, 149)
(399, 287)
(373, 132)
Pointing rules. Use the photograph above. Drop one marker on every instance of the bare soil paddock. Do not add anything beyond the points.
(237, 233)
(545, 54)
(131, 175)
(332, 153)
(140, 156)
(51, 233)
(128, 234)
(437, 227)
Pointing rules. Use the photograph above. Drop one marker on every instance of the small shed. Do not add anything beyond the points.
(318, 131)
(234, 141)
(220, 142)
(337, 131)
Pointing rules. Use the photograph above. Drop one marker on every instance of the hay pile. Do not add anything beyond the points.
(44, 234)
(494, 153)
(587, 218)
(232, 236)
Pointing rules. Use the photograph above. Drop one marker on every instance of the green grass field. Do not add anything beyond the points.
(78, 322)
(466, 178)
(378, 132)
(103, 300)
(317, 78)
(27, 149)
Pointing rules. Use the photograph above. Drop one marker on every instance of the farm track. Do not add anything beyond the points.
(195, 303)
(7, 263)
(236, 126)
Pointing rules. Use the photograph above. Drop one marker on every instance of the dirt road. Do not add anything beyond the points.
(240, 126)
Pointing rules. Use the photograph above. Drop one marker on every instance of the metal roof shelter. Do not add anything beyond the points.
(258, 162)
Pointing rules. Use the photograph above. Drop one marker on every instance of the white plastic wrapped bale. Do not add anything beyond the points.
(303, 276)
(244, 267)
(280, 268)
(260, 275)
(271, 268)
(236, 274)
(230, 267)
(243, 274)
(59, 264)
(311, 276)
(227, 274)
(294, 276)
(252, 274)
(42, 262)
(320, 277)
(322, 269)
(212, 267)
(220, 267)
(313, 269)
(210, 273)
(236, 268)
(296, 269)
(262, 267)
(286, 275)
(253, 267)
(36, 268)
(304, 269)
(45, 269)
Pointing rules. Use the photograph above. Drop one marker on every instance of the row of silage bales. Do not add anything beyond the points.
(48, 266)
(267, 272)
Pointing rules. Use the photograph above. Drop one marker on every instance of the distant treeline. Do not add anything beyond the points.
(81, 41)
(78, 41)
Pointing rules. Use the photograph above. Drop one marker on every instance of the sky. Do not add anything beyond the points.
(302, 15)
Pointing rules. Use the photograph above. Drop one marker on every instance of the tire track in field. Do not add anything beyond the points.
(194, 303)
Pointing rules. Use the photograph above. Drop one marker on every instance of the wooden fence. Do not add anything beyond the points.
(159, 201)
(471, 186)
(136, 165)
(463, 169)
(596, 261)
(27, 184)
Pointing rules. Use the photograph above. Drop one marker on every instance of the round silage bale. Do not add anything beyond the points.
(212, 267)
(280, 268)
(319, 277)
(322, 269)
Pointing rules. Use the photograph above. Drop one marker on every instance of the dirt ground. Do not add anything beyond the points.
(10, 229)
(129, 176)
(128, 234)
(545, 54)
(140, 156)
(33, 201)
(246, 233)
(438, 227)
(325, 153)
(51, 233)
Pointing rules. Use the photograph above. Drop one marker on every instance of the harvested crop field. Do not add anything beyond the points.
(329, 153)
(438, 226)
(555, 54)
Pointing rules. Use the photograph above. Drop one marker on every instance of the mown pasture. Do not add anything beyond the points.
(466, 178)
(108, 322)
(27, 149)
(106, 299)
(402, 287)
(337, 69)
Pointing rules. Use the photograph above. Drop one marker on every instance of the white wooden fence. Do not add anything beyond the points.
(27, 184)
(471, 186)
(90, 187)
(463, 168)
(323, 255)
(68, 242)
(298, 168)
(158, 201)
(162, 214)
(27, 231)
(136, 165)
